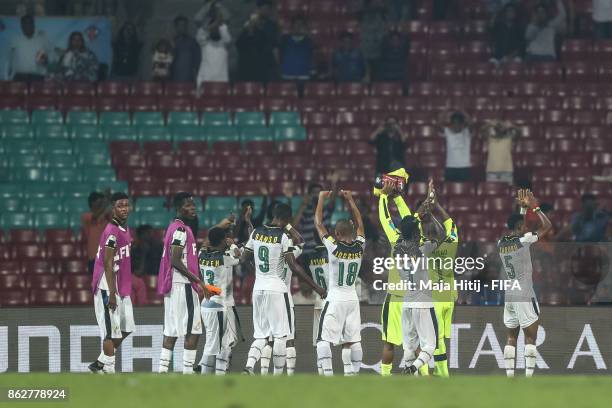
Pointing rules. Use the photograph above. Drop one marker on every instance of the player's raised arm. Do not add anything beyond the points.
(384, 215)
(528, 200)
(321, 229)
(355, 213)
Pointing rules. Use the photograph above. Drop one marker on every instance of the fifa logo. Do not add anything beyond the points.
(124, 252)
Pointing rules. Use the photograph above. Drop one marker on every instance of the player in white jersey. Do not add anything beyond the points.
(521, 310)
(271, 248)
(318, 266)
(340, 321)
(218, 314)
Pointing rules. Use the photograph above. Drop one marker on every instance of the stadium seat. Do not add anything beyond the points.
(179, 118)
(42, 281)
(119, 133)
(54, 220)
(284, 119)
(256, 133)
(17, 131)
(73, 267)
(215, 89)
(179, 89)
(14, 116)
(86, 132)
(250, 119)
(13, 298)
(50, 132)
(76, 190)
(156, 219)
(148, 119)
(18, 236)
(146, 88)
(115, 118)
(44, 204)
(10, 204)
(11, 282)
(39, 189)
(78, 297)
(46, 117)
(98, 174)
(151, 204)
(248, 89)
(41, 297)
(281, 89)
(154, 134)
(58, 235)
(216, 119)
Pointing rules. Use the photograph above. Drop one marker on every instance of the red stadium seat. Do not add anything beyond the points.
(210, 104)
(560, 132)
(260, 148)
(248, 89)
(567, 204)
(386, 89)
(13, 88)
(352, 89)
(49, 88)
(73, 266)
(325, 89)
(63, 250)
(142, 103)
(474, 221)
(294, 147)
(493, 189)
(580, 72)
(565, 145)
(184, 89)
(76, 282)
(58, 235)
(78, 297)
(111, 88)
(546, 72)
(498, 204)
(23, 236)
(272, 104)
(43, 281)
(147, 88)
(588, 118)
(13, 298)
(176, 103)
(8, 267)
(12, 282)
(28, 251)
(458, 189)
(42, 297)
(479, 72)
(574, 160)
(463, 204)
(36, 102)
(424, 89)
(109, 103)
(146, 189)
(285, 89)
(79, 88)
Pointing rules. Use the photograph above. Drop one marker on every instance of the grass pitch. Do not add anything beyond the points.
(236, 391)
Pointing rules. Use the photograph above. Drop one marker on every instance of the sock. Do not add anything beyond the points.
(279, 355)
(319, 366)
(164, 360)
(509, 355)
(189, 357)
(291, 360)
(266, 355)
(385, 369)
(207, 362)
(530, 359)
(223, 361)
(101, 357)
(324, 357)
(424, 370)
(254, 353)
(441, 365)
(109, 364)
(356, 356)
(346, 360)
(422, 359)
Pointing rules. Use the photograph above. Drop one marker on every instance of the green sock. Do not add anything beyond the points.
(385, 369)
(424, 370)
(441, 368)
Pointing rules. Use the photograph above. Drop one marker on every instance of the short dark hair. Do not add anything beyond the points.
(312, 186)
(93, 197)
(216, 235)
(457, 117)
(588, 197)
(282, 212)
(409, 227)
(344, 227)
(513, 220)
(118, 196)
(179, 199)
(178, 19)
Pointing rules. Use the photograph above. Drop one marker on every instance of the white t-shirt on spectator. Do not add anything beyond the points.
(214, 65)
(24, 52)
(457, 148)
(602, 11)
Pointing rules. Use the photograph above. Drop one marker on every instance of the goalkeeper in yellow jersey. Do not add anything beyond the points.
(441, 269)
(391, 316)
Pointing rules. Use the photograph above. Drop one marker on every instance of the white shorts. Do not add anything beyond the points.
(315, 326)
(181, 311)
(291, 316)
(221, 329)
(522, 314)
(113, 322)
(420, 329)
(340, 322)
(271, 314)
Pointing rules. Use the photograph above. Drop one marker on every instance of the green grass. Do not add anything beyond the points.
(235, 391)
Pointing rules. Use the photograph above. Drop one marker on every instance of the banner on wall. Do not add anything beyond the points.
(570, 340)
(97, 32)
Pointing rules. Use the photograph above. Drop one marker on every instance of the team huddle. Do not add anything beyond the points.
(197, 286)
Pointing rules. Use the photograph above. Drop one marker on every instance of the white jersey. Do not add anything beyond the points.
(269, 245)
(216, 268)
(288, 273)
(344, 263)
(319, 270)
(516, 260)
(417, 275)
(179, 238)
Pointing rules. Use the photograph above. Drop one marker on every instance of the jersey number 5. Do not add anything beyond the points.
(509, 267)
(350, 276)
(264, 257)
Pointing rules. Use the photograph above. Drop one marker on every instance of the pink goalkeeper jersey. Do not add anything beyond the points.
(119, 238)
(177, 234)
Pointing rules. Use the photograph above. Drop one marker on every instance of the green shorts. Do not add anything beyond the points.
(391, 319)
(444, 313)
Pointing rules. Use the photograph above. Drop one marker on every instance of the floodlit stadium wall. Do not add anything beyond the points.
(570, 340)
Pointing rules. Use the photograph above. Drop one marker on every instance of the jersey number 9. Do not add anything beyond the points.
(264, 257)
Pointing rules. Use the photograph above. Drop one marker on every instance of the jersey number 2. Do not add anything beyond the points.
(350, 276)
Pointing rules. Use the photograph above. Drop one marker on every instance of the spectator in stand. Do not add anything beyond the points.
(393, 58)
(214, 38)
(508, 40)
(588, 225)
(372, 28)
(202, 17)
(146, 251)
(297, 52)
(93, 223)
(495, 6)
(499, 158)
(602, 19)
(258, 45)
(126, 53)
(29, 53)
(390, 143)
(542, 32)
(304, 218)
(455, 129)
(78, 62)
(187, 55)
(348, 63)
(162, 60)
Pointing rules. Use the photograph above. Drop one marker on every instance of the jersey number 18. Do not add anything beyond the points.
(350, 276)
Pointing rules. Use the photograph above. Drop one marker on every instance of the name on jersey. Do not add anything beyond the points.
(506, 249)
(210, 262)
(267, 239)
(318, 261)
(348, 255)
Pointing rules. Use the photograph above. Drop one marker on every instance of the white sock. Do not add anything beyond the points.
(279, 355)
(109, 364)
(291, 360)
(356, 356)
(319, 366)
(530, 359)
(324, 355)
(222, 361)
(255, 353)
(164, 360)
(189, 357)
(101, 357)
(509, 356)
(266, 356)
(207, 362)
(346, 360)
(423, 358)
